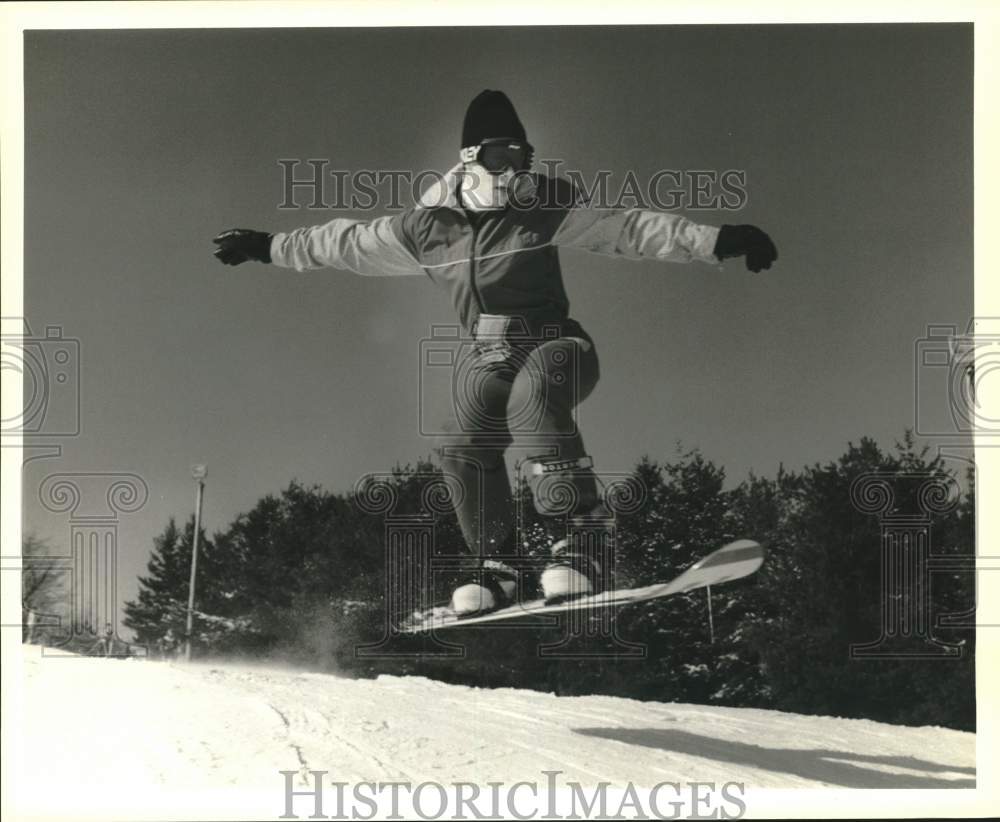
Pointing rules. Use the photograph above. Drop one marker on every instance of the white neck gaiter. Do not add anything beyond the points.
(482, 191)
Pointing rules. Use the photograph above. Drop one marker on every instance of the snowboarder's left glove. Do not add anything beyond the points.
(740, 240)
(241, 244)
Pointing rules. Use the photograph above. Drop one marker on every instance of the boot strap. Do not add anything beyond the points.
(492, 574)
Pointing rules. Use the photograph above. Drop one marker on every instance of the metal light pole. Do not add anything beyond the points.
(199, 472)
(963, 348)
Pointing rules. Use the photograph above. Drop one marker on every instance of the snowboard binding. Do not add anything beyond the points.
(570, 575)
(491, 587)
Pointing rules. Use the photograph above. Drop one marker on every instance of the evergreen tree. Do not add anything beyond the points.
(158, 614)
(158, 609)
(824, 594)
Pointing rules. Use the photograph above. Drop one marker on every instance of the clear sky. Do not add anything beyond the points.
(142, 145)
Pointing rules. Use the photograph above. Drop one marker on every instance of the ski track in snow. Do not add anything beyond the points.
(215, 725)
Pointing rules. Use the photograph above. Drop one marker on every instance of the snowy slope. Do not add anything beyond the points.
(100, 722)
(237, 725)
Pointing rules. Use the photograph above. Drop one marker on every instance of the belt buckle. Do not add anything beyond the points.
(492, 327)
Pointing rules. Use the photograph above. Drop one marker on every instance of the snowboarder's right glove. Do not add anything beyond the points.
(740, 240)
(241, 244)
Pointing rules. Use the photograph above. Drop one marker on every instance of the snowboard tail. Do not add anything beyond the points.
(733, 561)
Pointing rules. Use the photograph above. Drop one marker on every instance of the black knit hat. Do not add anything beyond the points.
(490, 114)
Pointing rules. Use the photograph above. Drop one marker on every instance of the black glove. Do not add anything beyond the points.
(241, 244)
(739, 240)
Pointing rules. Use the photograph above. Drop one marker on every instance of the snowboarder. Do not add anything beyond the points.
(488, 232)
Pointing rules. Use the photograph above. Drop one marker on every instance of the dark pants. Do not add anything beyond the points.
(527, 401)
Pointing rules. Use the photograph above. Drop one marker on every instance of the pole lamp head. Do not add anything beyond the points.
(199, 471)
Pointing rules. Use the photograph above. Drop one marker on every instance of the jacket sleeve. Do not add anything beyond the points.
(637, 234)
(375, 248)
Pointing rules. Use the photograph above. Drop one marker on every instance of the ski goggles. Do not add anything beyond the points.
(498, 154)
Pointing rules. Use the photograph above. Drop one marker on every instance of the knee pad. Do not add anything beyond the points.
(563, 486)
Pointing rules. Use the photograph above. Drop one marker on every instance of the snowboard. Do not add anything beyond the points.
(732, 561)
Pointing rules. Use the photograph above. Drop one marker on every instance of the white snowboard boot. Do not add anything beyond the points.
(493, 587)
(569, 575)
